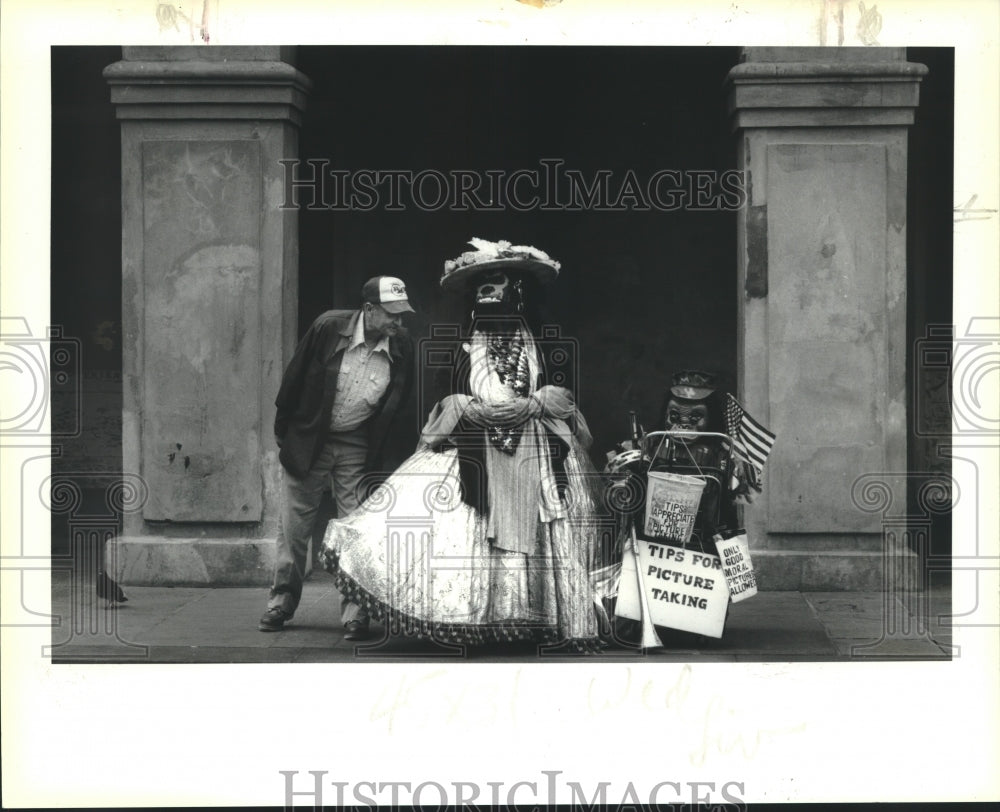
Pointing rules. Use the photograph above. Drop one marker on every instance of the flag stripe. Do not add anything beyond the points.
(761, 438)
(756, 444)
(752, 442)
(756, 428)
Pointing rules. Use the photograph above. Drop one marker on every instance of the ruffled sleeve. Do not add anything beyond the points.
(561, 416)
(442, 420)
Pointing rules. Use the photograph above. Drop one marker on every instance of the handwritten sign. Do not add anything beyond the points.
(671, 505)
(685, 589)
(737, 566)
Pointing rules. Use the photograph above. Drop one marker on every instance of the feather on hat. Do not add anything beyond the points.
(490, 256)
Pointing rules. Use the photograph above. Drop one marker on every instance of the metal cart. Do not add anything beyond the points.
(704, 455)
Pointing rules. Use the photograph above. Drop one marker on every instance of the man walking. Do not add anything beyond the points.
(342, 388)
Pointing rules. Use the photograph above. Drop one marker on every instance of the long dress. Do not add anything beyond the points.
(526, 562)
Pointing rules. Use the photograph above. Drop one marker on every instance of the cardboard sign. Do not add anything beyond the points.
(685, 589)
(736, 564)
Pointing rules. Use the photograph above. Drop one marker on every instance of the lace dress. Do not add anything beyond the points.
(527, 566)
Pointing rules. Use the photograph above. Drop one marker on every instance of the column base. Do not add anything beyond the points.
(157, 561)
(836, 570)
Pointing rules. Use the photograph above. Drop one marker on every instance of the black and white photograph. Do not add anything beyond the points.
(632, 375)
(588, 293)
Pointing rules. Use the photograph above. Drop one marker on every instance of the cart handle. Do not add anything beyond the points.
(686, 435)
(726, 441)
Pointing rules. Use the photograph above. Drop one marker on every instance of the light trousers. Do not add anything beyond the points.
(341, 464)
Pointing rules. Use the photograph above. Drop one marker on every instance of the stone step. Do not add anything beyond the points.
(153, 561)
(819, 542)
(836, 570)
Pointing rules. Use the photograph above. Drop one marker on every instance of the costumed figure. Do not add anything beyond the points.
(489, 532)
(694, 412)
(694, 440)
(709, 456)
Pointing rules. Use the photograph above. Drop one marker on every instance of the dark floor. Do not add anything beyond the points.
(219, 625)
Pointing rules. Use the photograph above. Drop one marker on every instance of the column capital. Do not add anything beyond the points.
(823, 87)
(207, 83)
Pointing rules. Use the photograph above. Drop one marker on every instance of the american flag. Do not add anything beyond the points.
(751, 441)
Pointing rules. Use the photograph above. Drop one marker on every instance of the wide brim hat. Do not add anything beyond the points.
(494, 256)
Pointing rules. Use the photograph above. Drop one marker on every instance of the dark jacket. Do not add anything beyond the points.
(305, 398)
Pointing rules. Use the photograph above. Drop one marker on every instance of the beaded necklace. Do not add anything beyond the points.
(507, 356)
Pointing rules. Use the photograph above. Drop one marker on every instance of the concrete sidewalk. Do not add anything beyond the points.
(219, 625)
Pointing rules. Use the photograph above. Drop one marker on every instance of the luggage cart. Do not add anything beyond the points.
(707, 456)
(704, 455)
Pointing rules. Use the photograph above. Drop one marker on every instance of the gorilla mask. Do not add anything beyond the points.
(686, 415)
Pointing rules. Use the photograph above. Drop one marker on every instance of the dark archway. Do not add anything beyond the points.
(643, 292)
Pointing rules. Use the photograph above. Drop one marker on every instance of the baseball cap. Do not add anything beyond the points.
(388, 291)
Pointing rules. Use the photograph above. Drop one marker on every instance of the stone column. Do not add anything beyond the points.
(822, 299)
(209, 301)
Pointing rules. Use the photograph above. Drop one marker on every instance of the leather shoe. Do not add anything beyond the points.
(273, 620)
(356, 630)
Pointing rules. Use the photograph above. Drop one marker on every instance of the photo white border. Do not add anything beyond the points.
(218, 735)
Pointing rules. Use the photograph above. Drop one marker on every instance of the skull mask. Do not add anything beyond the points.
(493, 289)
